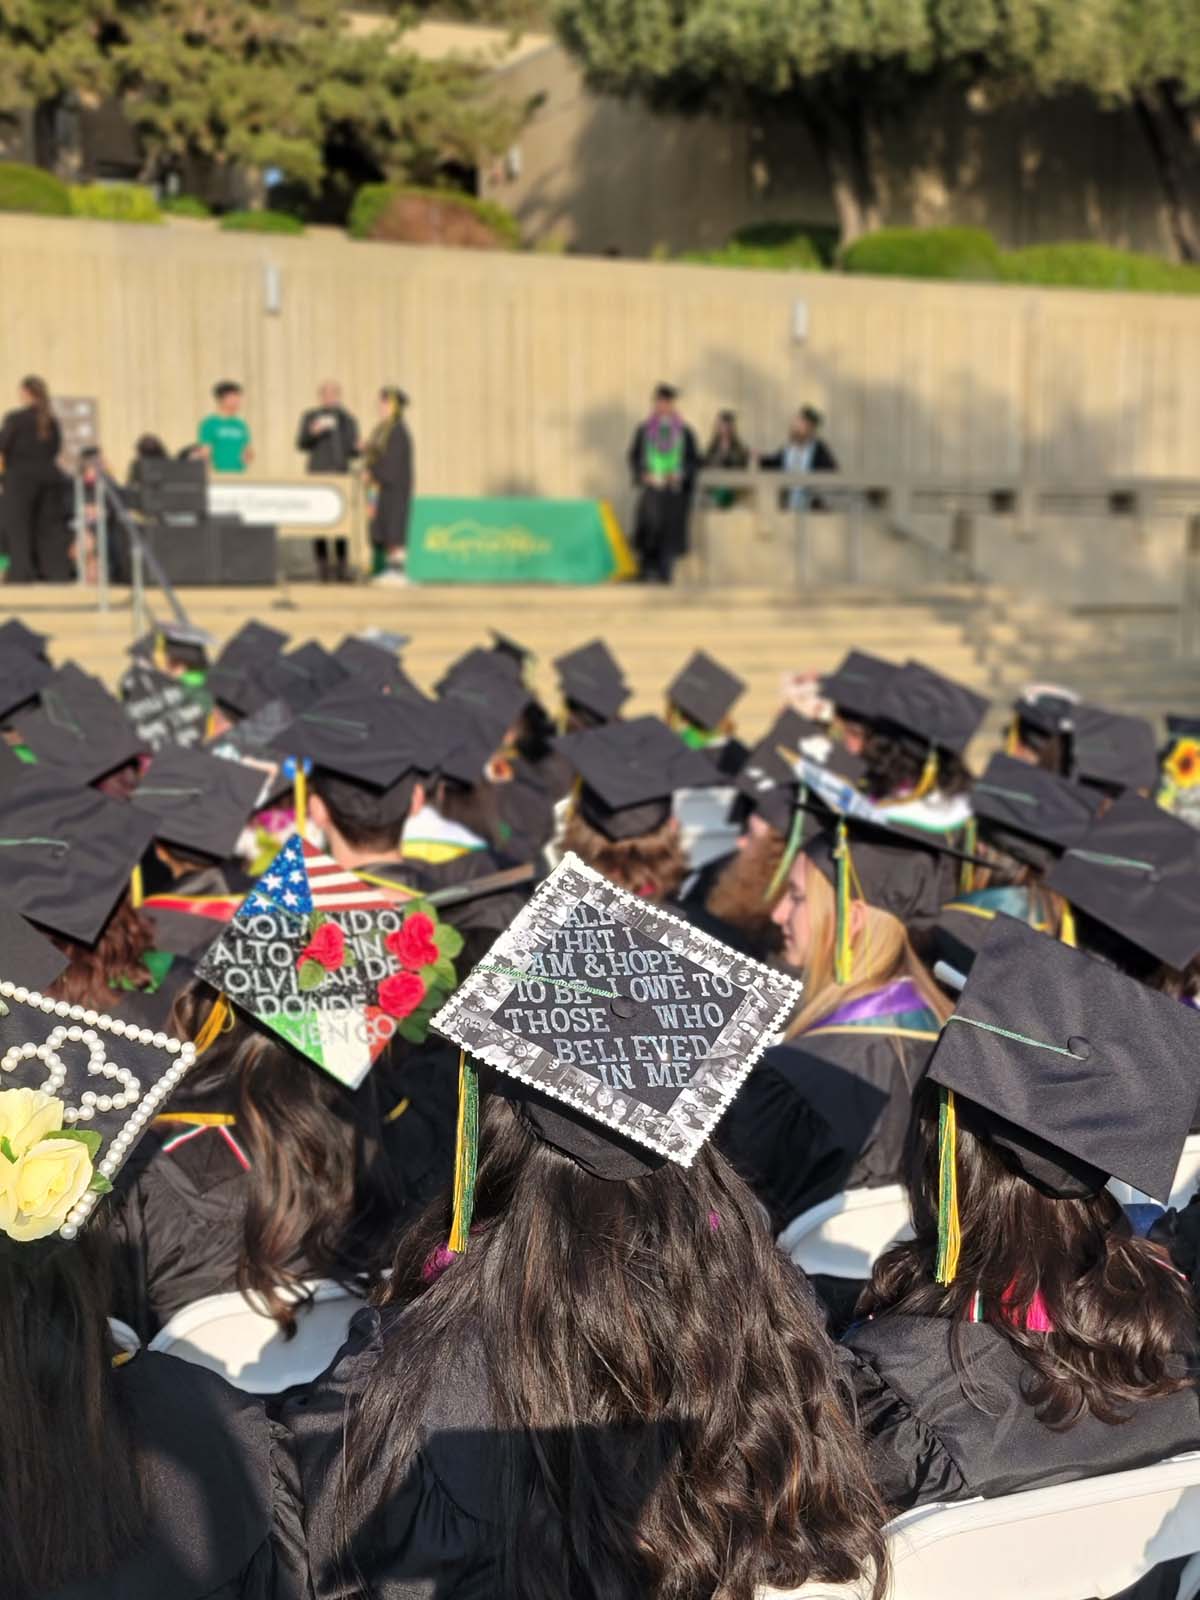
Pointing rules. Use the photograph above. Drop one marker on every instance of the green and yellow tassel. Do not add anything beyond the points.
(301, 798)
(466, 1153)
(790, 850)
(843, 954)
(949, 1245)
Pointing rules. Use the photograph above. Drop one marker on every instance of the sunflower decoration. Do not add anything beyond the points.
(1182, 766)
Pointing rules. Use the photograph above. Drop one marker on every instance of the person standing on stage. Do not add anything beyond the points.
(664, 459)
(805, 451)
(389, 459)
(224, 435)
(33, 519)
(328, 436)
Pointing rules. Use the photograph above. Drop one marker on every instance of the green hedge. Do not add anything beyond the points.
(114, 202)
(1098, 266)
(968, 255)
(261, 222)
(30, 189)
(185, 205)
(373, 199)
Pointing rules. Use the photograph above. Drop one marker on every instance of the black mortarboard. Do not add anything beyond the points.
(368, 738)
(479, 665)
(931, 707)
(1137, 871)
(23, 676)
(163, 709)
(591, 677)
(199, 803)
(856, 687)
(67, 852)
(239, 692)
(302, 675)
(619, 1032)
(1075, 1072)
(767, 781)
(1113, 750)
(495, 701)
(253, 644)
(373, 663)
(80, 729)
(1032, 814)
(27, 956)
(14, 635)
(893, 869)
(630, 771)
(705, 691)
(185, 641)
(1045, 711)
(521, 654)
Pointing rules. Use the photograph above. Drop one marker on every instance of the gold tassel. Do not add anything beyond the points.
(929, 777)
(949, 1226)
(301, 798)
(843, 955)
(466, 1154)
(218, 1019)
(137, 892)
(1066, 927)
(966, 876)
(1012, 738)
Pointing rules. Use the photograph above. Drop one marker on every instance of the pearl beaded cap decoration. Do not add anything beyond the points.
(112, 1076)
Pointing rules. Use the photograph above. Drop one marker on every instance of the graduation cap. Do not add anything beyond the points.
(479, 665)
(374, 740)
(1112, 750)
(619, 1032)
(495, 702)
(856, 686)
(1030, 813)
(373, 662)
(23, 676)
(1183, 727)
(591, 678)
(1074, 1073)
(80, 728)
(521, 654)
(705, 691)
(67, 852)
(767, 782)
(630, 772)
(302, 675)
(252, 645)
(181, 642)
(163, 709)
(330, 964)
(1137, 871)
(199, 803)
(80, 1090)
(893, 869)
(15, 636)
(27, 956)
(1049, 712)
(932, 708)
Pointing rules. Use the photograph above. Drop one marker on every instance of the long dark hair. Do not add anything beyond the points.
(39, 400)
(665, 1401)
(322, 1200)
(895, 765)
(98, 972)
(1121, 1318)
(69, 1501)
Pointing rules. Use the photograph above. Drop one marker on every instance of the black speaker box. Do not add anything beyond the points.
(216, 550)
(173, 488)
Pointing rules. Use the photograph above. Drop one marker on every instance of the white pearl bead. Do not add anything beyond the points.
(108, 1166)
(68, 1231)
(69, 1113)
(104, 1102)
(45, 1003)
(160, 1039)
(109, 1071)
(188, 1049)
(76, 1011)
(147, 1036)
(91, 1018)
(8, 987)
(20, 992)
(61, 1007)
(29, 1051)
(173, 1046)
(86, 1113)
(88, 1097)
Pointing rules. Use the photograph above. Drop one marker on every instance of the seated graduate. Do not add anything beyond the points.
(1025, 818)
(1025, 1337)
(78, 732)
(1040, 731)
(592, 686)
(163, 689)
(915, 752)
(139, 1476)
(854, 690)
(700, 702)
(621, 821)
(610, 1383)
(1112, 753)
(829, 1109)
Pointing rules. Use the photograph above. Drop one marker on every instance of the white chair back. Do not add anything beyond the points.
(705, 830)
(845, 1236)
(1097, 1537)
(1187, 1179)
(123, 1336)
(226, 1334)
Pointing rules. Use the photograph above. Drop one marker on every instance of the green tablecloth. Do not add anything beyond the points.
(515, 541)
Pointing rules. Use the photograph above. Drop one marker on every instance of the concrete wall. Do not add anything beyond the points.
(528, 372)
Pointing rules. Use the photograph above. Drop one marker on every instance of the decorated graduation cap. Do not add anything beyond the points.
(329, 964)
(78, 1089)
(67, 852)
(174, 643)
(619, 1032)
(1032, 814)
(198, 802)
(79, 728)
(23, 676)
(1073, 1072)
(1137, 871)
(629, 772)
(591, 678)
(856, 686)
(163, 709)
(1114, 751)
(705, 691)
(938, 711)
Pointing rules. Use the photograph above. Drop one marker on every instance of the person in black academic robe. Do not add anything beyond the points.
(328, 437)
(33, 510)
(389, 460)
(664, 458)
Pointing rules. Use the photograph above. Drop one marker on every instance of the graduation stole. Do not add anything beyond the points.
(896, 1010)
(1007, 899)
(662, 446)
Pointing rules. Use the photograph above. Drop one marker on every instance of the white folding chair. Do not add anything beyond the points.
(845, 1236)
(1187, 1179)
(1076, 1540)
(226, 1334)
(705, 830)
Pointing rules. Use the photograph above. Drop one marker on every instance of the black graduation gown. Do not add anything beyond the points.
(392, 472)
(223, 1520)
(430, 1538)
(928, 1442)
(479, 920)
(661, 524)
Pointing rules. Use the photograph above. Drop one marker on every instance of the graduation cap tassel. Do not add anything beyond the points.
(949, 1242)
(1066, 927)
(843, 955)
(929, 776)
(790, 850)
(966, 876)
(1012, 738)
(301, 798)
(137, 893)
(466, 1153)
(218, 1019)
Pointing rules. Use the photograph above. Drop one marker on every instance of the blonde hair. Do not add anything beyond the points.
(880, 949)
(653, 865)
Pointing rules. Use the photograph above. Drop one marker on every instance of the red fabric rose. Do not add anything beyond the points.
(327, 945)
(412, 943)
(401, 994)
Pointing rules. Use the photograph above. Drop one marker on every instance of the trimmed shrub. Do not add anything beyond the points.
(114, 202)
(261, 222)
(799, 255)
(403, 215)
(184, 205)
(969, 255)
(1098, 266)
(25, 188)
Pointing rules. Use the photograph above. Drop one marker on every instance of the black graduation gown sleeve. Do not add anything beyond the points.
(909, 1464)
(634, 457)
(425, 1537)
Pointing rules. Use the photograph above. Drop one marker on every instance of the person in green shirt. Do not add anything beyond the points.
(224, 434)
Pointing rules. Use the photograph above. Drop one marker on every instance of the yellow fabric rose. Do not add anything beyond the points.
(39, 1189)
(27, 1116)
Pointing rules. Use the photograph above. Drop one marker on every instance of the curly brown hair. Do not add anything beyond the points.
(98, 971)
(653, 866)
